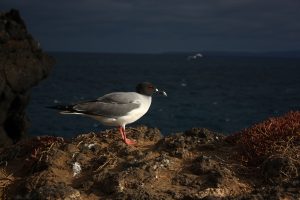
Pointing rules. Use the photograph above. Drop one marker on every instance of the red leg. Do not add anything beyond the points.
(127, 141)
(122, 134)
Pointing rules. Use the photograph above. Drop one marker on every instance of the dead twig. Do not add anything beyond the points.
(106, 163)
(79, 144)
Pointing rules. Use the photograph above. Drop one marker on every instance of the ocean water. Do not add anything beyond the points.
(225, 94)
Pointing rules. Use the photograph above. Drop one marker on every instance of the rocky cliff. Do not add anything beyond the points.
(23, 64)
(258, 163)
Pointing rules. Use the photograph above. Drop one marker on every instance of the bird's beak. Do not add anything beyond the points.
(161, 92)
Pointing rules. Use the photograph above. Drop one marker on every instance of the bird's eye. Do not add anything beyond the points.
(150, 87)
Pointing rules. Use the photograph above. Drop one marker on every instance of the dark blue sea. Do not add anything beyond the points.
(222, 93)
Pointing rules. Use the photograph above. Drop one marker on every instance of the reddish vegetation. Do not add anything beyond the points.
(278, 135)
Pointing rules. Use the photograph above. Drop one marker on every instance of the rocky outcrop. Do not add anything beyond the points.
(196, 164)
(22, 65)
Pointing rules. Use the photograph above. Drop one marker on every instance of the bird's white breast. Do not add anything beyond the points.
(132, 116)
(144, 102)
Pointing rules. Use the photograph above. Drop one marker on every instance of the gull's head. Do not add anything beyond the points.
(148, 89)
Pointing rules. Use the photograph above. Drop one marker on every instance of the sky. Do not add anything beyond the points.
(152, 26)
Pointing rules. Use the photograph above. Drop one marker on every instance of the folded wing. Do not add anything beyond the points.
(110, 105)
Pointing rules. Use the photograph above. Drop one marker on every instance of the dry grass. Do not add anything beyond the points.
(278, 135)
(5, 180)
(39, 149)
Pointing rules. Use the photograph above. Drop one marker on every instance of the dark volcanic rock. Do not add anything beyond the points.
(195, 139)
(58, 191)
(277, 169)
(22, 65)
(47, 168)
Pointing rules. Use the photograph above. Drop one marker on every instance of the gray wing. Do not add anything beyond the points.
(111, 105)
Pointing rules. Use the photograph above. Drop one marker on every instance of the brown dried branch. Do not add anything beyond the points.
(280, 135)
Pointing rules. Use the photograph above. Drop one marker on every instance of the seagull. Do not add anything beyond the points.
(117, 108)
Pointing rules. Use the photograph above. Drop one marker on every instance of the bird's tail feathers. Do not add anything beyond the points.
(69, 113)
(64, 109)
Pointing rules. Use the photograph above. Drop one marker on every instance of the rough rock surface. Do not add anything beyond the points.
(22, 65)
(196, 164)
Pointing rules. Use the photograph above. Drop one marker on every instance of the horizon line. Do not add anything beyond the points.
(293, 53)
